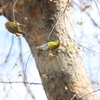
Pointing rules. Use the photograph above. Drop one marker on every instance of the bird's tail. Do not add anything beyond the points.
(22, 32)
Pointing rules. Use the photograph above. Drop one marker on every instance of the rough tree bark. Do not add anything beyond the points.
(63, 75)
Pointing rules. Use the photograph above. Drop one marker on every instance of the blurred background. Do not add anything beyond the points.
(19, 77)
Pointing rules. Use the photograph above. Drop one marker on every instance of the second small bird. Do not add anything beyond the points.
(13, 28)
(48, 46)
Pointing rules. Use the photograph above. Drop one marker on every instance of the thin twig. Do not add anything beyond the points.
(13, 9)
(7, 5)
(21, 57)
(97, 7)
(21, 82)
(73, 96)
(89, 93)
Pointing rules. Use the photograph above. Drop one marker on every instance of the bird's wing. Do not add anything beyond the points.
(43, 47)
(15, 27)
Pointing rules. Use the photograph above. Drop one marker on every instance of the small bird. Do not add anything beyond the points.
(50, 46)
(13, 28)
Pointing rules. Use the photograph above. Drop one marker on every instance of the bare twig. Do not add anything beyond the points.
(97, 7)
(9, 51)
(7, 4)
(13, 9)
(89, 93)
(88, 15)
(73, 96)
(21, 82)
(20, 58)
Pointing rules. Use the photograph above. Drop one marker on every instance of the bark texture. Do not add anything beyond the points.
(63, 75)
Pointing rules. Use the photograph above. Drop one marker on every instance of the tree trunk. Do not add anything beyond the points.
(63, 75)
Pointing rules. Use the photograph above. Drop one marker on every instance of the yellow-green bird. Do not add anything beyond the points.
(50, 46)
(13, 28)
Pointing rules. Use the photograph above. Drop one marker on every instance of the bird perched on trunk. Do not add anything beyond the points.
(50, 46)
(13, 28)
